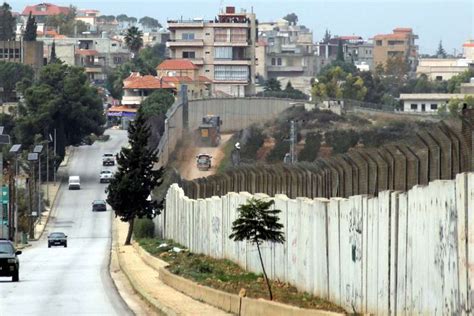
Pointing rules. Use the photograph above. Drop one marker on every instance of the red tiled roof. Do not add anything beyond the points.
(50, 9)
(87, 52)
(177, 64)
(204, 79)
(391, 36)
(468, 45)
(136, 81)
(176, 79)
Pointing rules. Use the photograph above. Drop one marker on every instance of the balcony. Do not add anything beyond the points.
(173, 24)
(233, 44)
(245, 62)
(184, 43)
(285, 68)
(93, 69)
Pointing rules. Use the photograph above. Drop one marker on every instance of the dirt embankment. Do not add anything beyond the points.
(186, 158)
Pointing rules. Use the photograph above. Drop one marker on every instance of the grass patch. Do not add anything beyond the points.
(227, 276)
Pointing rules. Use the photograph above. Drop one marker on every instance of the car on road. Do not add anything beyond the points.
(57, 239)
(99, 206)
(9, 263)
(105, 176)
(203, 162)
(74, 183)
(108, 160)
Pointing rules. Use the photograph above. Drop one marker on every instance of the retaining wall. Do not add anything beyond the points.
(398, 253)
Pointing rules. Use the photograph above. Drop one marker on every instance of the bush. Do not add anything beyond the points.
(144, 228)
(342, 140)
(251, 140)
(311, 147)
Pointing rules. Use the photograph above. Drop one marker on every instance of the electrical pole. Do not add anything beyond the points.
(293, 140)
(54, 166)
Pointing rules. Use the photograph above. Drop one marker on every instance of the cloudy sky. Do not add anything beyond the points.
(451, 21)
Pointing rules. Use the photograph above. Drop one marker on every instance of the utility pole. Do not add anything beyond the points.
(15, 149)
(54, 166)
(293, 140)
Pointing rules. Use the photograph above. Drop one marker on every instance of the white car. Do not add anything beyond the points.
(105, 176)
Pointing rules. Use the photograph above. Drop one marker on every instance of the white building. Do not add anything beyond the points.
(427, 102)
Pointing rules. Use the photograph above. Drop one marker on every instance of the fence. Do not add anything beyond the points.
(398, 253)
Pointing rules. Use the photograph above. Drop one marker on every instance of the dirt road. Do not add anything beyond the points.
(187, 157)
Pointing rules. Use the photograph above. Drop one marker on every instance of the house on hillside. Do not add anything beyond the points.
(179, 72)
(42, 12)
(427, 102)
(137, 87)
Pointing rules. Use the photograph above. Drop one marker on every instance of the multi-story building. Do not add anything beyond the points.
(28, 53)
(223, 49)
(41, 12)
(98, 56)
(87, 16)
(137, 87)
(401, 43)
(289, 50)
(468, 49)
(355, 49)
(442, 68)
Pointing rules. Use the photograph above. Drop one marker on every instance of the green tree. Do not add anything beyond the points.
(454, 84)
(132, 20)
(342, 140)
(134, 40)
(257, 223)
(354, 88)
(311, 147)
(340, 51)
(30, 31)
(272, 84)
(12, 74)
(130, 188)
(7, 23)
(441, 53)
(156, 103)
(62, 99)
(153, 56)
(327, 36)
(67, 24)
(149, 22)
(292, 18)
(53, 58)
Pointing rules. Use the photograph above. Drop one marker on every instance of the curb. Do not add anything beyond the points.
(151, 301)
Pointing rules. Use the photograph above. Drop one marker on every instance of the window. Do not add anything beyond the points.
(220, 35)
(191, 55)
(117, 60)
(207, 53)
(273, 62)
(187, 36)
(439, 78)
(207, 34)
(434, 106)
(207, 70)
(231, 73)
(279, 61)
(238, 35)
(223, 53)
(414, 106)
(17, 53)
(378, 43)
(396, 42)
(114, 44)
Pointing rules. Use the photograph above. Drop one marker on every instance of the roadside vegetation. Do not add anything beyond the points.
(224, 275)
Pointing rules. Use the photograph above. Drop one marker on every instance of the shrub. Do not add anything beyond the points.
(144, 228)
(311, 147)
(342, 140)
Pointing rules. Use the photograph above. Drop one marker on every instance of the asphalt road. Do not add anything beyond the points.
(73, 280)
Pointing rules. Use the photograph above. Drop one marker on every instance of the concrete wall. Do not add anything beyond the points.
(398, 253)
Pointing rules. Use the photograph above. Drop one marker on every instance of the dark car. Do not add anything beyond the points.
(57, 239)
(99, 206)
(9, 263)
(108, 160)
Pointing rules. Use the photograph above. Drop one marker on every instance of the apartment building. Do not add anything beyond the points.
(289, 50)
(87, 16)
(400, 43)
(223, 49)
(28, 53)
(355, 49)
(41, 12)
(442, 68)
(98, 56)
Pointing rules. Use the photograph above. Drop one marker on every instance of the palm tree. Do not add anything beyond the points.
(134, 40)
(257, 223)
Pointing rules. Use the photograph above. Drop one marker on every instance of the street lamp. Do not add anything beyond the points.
(15, 150)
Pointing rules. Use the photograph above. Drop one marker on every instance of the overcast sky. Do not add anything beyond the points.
(451, 21)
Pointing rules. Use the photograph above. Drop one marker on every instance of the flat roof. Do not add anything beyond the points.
(432, 96)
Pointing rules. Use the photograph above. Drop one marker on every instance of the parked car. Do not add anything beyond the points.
(108, 160)
(99, 206)
(9, 263)
(57, 239)
(74, 183)
(203, 162)
(105, 176)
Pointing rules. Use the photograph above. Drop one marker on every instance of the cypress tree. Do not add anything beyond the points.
(340, 51)
(31, 28)
(53, 59)
(7, 23)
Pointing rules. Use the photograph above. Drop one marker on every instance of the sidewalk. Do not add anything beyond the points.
(145, 280)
